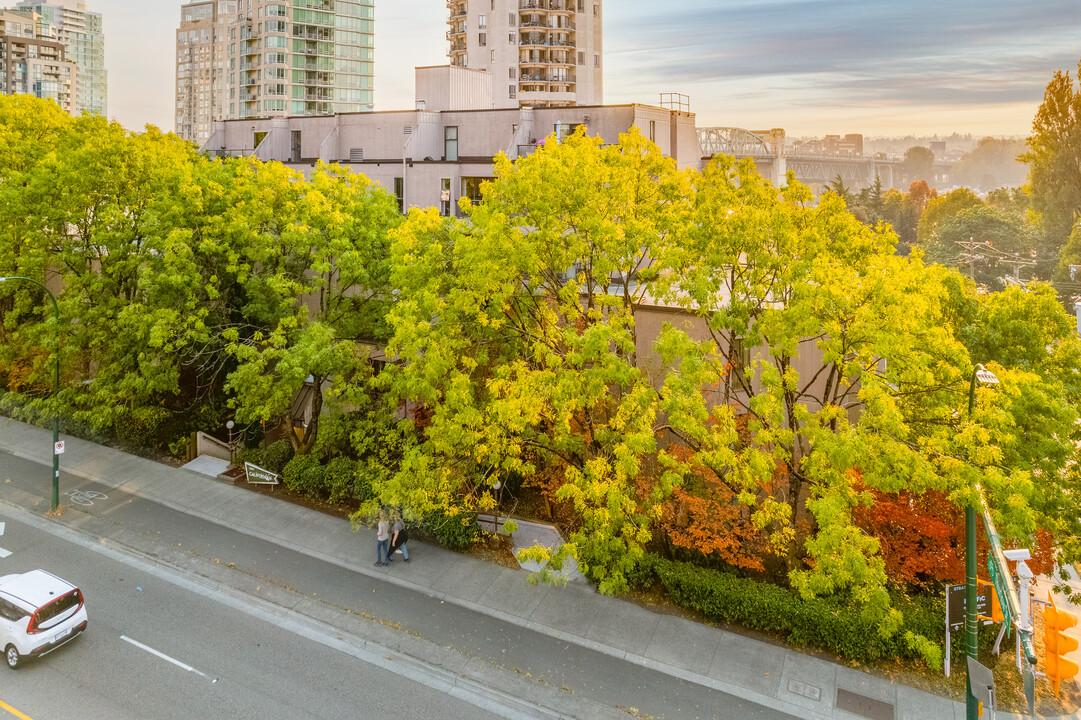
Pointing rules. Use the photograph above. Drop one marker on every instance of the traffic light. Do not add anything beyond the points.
(1057, 644)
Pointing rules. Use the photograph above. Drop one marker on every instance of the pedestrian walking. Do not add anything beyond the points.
(382, 540)
(398, 538)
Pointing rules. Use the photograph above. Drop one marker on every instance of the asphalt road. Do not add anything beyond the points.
(601, 679)
(238, 666)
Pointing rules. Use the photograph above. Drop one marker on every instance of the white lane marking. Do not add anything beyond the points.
(3, 553)
(162, 655)
(2, 528)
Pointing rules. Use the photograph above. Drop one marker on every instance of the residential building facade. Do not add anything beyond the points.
(301, 58)
(202, 88)
(83, 37)
(33, 60)
(442, 150)
(541, 53)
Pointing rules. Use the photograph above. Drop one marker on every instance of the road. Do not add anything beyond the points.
(239, 666)
(598, 680)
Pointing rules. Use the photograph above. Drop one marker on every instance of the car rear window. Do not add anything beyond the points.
(58, 607)
(9, 611)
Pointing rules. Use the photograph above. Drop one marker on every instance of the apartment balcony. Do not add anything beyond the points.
(545, 97)
(457, 13)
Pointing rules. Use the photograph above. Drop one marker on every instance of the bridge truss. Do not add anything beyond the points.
(736, 142)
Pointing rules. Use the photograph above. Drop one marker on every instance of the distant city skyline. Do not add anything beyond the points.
(809, 66)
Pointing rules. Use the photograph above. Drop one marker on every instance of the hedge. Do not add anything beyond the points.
(824, 623)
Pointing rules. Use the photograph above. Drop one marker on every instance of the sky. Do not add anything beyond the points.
(812, 67)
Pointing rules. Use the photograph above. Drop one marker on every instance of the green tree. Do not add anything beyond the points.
(96, 213)
(941, 208)
(1054, 158)
(1006, 239)
(850, 358)
(918, 163)
(314, 272)
(518, 330)
(991, 164)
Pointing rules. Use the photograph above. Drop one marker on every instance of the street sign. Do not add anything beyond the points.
(58, 449)
(982, 683)
(955, 604)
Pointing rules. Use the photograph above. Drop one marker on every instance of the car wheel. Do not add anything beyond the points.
(11, 654)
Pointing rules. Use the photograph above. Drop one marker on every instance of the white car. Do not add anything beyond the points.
(39, 612)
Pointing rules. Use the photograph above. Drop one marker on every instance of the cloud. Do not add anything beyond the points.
(871, 39)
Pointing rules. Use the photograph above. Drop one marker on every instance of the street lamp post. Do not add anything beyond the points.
(56, 389)
(971, 704)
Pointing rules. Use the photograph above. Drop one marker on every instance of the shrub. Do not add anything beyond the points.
(275, 456)
(453, 531)
(340, 479)
(306, 475)
(145, 428)
(827, 623)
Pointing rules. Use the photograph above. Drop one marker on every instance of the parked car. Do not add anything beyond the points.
(39, 613)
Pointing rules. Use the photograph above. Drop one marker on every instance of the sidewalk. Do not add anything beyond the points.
(756, 671)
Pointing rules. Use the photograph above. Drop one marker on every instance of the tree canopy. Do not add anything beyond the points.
(803, 366)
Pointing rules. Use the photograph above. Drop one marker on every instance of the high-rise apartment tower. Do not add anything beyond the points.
(202, 62)
(32, 60)
(541, 53)
(300, 57)
(83, 38)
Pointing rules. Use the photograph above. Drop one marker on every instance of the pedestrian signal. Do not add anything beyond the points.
(1058, 644)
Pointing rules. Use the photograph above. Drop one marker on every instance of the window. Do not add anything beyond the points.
(482, 39)
(450, 143)
(512, 20)
(492, 57)
(471, 188)
(513, 72)
(581, 58)
(399, 192)
(565, 130)
(596, 60)
(482, 21)
(512, 38)
(10, 611)
(596, 9)
(444, 197)
(513, 93)
(653, 131)
(581, 5)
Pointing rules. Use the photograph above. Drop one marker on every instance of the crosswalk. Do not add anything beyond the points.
(3, 553)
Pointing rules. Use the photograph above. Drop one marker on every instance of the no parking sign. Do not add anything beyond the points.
(58, 447)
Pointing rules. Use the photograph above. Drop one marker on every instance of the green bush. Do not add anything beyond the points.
(275, 456)
(145, 428)
(825, 623)
(454, 532)
(306, 475)
(340, 479)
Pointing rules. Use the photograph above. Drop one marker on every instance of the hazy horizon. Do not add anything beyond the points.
(812, 67)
